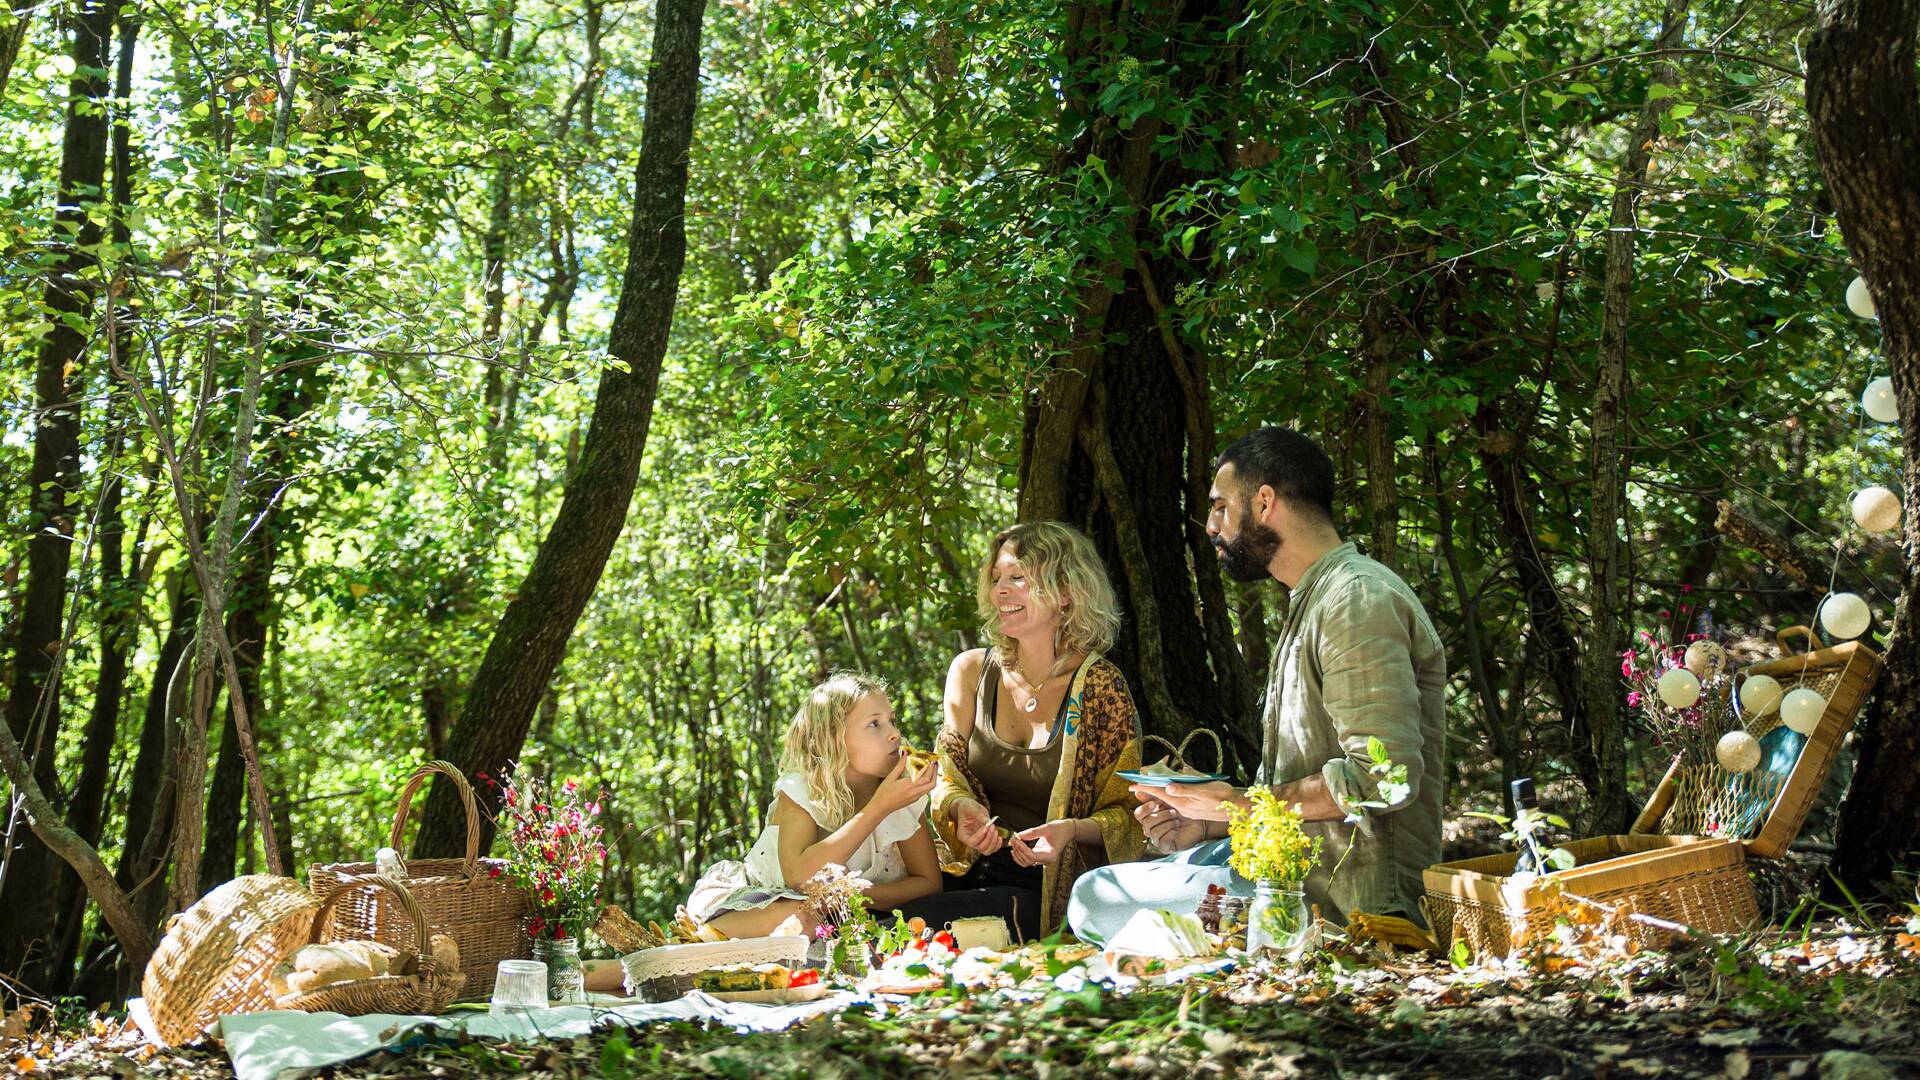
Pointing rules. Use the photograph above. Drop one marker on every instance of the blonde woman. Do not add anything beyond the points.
(847, 795)
(1036, 725)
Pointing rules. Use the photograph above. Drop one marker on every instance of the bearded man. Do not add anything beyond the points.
(1356, 659)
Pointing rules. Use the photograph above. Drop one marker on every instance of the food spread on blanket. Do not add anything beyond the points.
(916, 967)
(744, 978)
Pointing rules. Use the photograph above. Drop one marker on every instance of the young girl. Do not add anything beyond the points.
(847, 795)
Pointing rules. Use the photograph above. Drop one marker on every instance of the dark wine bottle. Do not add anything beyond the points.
(1531, 861)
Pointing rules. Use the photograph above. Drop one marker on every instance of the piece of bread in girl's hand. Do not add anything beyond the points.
(919, 760)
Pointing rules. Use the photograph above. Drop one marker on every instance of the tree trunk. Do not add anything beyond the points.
(1612, 808)
(499, 221)
(143, 851)
(12, 36)
(532, 634)
(54, 833)
(1118, 438)
(122, 587)
(1861, 95)
(1559, 647)
(27, 912)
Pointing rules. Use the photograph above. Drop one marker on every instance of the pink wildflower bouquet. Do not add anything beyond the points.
(554, 853)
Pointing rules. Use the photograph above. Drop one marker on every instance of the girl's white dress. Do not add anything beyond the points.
(756, 882)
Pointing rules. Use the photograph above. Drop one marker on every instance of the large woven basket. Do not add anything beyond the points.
(217, 955)
(1696, 882)
(1767, 811)
(667, 973)
(428, 988)
(469, 899)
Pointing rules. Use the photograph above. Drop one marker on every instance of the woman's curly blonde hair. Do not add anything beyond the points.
(1065, 572)
(816, 745)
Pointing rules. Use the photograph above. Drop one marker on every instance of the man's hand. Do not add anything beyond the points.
(1211, 801)
(1167, 829)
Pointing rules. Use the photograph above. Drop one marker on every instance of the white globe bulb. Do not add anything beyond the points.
(1802, 709)
(1879, 401)
(1706, 660)
(1876, 509)
(1859, 300)
(1738, 752)
(1679, 688)
(1845, 615)
(1758, 695)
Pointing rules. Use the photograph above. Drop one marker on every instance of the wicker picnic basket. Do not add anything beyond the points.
(1684, 859)
(1696, 882)
(217, 955)
(469, 899)
(667, 973)
(1767, 807)
(427, 988)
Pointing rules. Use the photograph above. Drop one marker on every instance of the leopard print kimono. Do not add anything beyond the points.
(1101, 738)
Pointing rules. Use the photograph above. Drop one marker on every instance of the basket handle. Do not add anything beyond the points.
(421, 776)
(1814, 643)
(347, 886)
(1177, 755)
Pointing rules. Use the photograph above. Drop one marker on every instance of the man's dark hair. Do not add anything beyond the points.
(1291, 464)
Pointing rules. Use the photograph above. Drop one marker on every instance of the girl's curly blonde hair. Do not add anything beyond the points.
(1066, 573)
(816, 745)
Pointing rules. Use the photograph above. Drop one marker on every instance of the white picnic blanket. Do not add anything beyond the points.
(285, 1045)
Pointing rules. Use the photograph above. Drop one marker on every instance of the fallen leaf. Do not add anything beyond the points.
(1737, 1037)
(1737, 1066)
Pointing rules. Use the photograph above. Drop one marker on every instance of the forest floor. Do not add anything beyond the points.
(1832, 999)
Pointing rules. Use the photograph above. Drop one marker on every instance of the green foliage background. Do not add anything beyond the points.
(884, 259)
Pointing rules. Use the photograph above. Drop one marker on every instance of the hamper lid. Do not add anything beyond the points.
(1843, 674)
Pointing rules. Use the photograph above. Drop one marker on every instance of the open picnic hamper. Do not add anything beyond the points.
(1684, 860)
(469, 899)
(218, 956)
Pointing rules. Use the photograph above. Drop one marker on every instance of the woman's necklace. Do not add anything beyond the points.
(1032, 690)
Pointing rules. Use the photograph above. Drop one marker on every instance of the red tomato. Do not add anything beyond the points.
(803, 977)
(945, 938)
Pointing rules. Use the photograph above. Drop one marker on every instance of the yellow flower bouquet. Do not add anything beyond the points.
(1268, 843)
(1273, 851)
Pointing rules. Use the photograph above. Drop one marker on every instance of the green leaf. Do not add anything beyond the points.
(1561, 859)
(1302, 256)
(1682, 110)
(1460, 955)
(1503, 56)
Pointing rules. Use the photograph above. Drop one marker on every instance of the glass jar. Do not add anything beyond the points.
(1278, 921)
(566, 978)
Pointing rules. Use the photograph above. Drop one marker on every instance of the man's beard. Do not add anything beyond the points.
(1247, 557)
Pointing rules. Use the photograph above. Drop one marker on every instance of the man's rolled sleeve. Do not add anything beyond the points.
(1369, 689)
